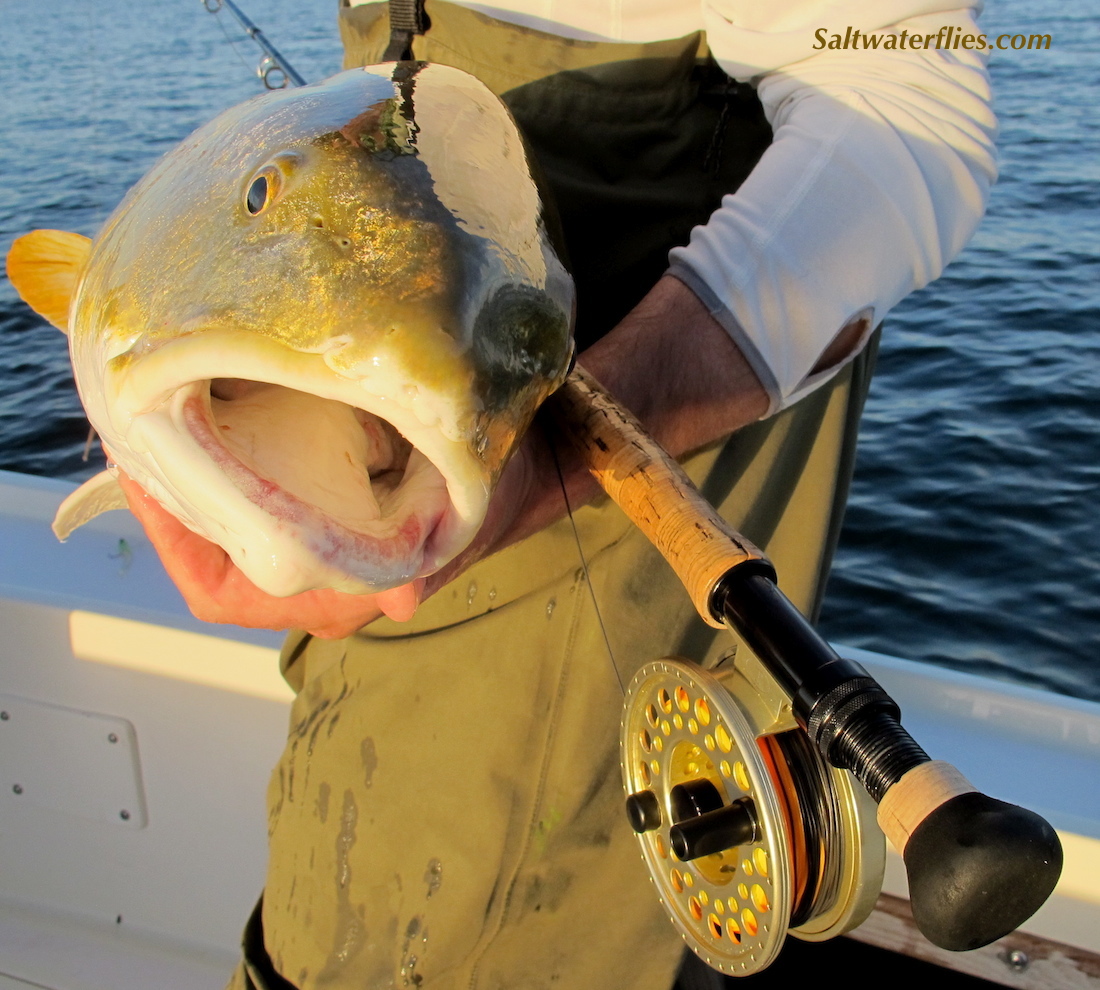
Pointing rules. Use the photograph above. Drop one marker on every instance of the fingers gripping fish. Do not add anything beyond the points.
(316, 330)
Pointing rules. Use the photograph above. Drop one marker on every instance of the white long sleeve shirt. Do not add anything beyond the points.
(877, 176)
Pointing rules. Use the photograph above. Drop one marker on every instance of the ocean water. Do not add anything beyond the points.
(972, 537)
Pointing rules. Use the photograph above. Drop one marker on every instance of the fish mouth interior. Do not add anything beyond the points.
(279, 431)
(370, 502)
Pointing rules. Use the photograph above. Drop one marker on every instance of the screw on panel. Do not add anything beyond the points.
(4, 716)
(124, 815)
(1017, 960)
(112, 738)
(17, 788)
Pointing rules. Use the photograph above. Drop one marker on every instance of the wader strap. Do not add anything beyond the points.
(407, 18)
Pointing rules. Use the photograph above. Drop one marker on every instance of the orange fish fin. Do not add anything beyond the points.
(44, 266)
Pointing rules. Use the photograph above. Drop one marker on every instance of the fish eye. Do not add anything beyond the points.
(257, 195)
(262, 190)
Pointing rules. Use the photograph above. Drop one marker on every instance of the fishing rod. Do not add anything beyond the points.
(740, 780)
(274, 70)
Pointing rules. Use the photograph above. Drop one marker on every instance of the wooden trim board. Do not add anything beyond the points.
(1017, 960)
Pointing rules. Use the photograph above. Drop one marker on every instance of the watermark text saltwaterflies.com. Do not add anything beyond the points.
(949, 37)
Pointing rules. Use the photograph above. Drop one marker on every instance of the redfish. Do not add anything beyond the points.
(316, 330)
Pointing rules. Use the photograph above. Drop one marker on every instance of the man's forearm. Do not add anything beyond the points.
(677, 370)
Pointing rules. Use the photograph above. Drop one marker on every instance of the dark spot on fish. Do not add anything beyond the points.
(519, 336)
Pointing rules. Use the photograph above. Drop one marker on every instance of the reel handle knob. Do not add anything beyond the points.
(714, 831)
(643, 809)
(978, 867)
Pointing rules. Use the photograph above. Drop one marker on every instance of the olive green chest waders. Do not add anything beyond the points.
(448, 810)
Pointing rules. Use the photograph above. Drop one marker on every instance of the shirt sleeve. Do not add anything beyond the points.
(877, 176)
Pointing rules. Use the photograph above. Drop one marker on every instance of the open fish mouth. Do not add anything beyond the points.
(308, 491)
(366, 501)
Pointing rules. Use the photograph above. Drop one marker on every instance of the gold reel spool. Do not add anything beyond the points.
(706, 762)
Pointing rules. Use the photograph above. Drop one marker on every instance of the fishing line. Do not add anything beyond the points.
(274, 70)
(216, 11)
(584, 566)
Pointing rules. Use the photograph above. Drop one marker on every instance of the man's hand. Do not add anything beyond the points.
(669, 362)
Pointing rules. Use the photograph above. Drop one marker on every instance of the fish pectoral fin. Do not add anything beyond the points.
(96, 496)
(44, 267)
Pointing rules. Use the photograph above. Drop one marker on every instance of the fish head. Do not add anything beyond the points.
(316, 330)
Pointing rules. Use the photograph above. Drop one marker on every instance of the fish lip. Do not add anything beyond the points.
(395, 556)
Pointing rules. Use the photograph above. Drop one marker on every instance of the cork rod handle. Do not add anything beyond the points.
(652, 489)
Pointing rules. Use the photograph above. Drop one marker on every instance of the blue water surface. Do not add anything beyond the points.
(972, 536)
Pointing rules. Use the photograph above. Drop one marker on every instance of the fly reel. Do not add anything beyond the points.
(747, 833)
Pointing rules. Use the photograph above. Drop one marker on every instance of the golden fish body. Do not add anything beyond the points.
(317, 328)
